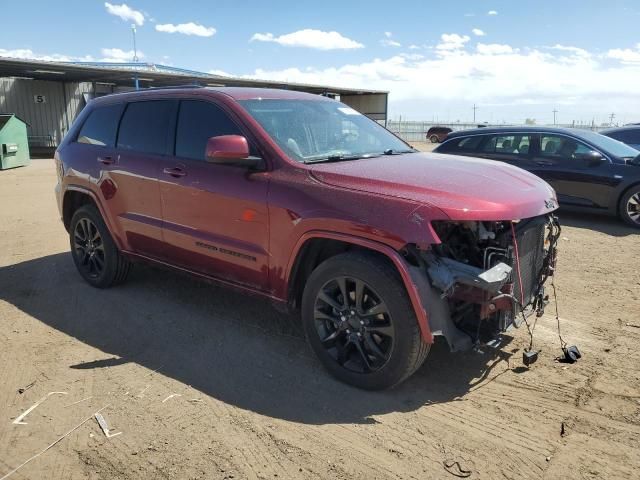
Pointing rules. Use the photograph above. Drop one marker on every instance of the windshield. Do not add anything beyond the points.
(610, 145)
(312, 130)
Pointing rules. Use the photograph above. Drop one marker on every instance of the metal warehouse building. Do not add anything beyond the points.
(49, 95)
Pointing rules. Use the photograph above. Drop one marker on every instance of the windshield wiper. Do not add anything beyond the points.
(340, 158)
(391, 151)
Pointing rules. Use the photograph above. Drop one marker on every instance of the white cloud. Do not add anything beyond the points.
(452, 41)
(125, 12)
(388, 41)
(492, 12)
(26, 53)
(493, 49)
(477, 32)
(625, 55)
(574, 50)
(187, 29)
(414, 47)
(220, 73)
(310, 38)
(116, 55)
(505, 80)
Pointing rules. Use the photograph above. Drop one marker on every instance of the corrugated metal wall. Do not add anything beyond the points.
(48, 120)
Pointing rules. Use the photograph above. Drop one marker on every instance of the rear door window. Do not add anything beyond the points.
(146, 126)
(512, 144)
(197, 122)
(101, 126)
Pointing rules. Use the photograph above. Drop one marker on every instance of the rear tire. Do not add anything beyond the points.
(629, 207)
(354, 342)
(94, 252)
(434, 139)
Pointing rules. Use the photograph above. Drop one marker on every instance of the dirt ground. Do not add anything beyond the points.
(207, 383)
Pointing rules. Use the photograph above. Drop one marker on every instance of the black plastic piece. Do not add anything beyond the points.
(529, 357)
(571, 354)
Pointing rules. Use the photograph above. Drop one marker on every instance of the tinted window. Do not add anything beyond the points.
(464, 144)
(145, 126)
(101, 126)
(609, 144)
(559, 147)
(627, 136)
(508, 144)
(197, 122)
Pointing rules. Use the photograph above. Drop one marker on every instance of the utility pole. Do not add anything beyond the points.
(611, 117)
(554, 116)
(474, 112)
(135, 55)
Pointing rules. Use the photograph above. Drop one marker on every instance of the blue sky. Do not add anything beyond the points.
(436, 58)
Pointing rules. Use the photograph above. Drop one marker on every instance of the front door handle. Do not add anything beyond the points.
(544, 163)
(175, 172)
(108, 160)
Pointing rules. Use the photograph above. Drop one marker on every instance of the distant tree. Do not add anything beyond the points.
(530, 121)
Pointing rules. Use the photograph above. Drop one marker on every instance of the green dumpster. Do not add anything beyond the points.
(14, 144)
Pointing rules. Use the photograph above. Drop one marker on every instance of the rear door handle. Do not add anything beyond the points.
(108, 160)
(543, 163)
(175, 172)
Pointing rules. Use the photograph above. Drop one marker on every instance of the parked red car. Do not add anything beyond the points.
(438, 134)
(303, 200)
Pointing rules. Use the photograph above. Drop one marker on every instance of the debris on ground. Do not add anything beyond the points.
(51, 445)
(19, 420)
(104, 426)
(25, 388)
(454, 468)
(171, 396)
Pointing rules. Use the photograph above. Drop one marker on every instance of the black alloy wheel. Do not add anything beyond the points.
(360, 322)
(354, 324)
(89, 248)
(94, 252)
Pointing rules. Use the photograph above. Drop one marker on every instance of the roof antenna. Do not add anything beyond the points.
(135, 55)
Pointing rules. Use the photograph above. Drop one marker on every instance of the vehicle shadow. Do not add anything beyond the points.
(600, 223)
(236, 349)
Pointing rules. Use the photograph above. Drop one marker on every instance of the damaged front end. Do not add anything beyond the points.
(484, 277)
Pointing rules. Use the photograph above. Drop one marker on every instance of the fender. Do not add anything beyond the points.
(390, 253)
(98, 203)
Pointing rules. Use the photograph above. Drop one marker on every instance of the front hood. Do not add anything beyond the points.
(463, 188)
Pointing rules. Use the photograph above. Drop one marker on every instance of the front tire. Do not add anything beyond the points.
(93, 250)
(360, 323)
(434, 139)
(630, 207)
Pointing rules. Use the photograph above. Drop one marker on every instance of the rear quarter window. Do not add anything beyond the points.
(462, 145)
(101, 126)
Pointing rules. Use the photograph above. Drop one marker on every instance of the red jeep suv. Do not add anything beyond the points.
(302, 199)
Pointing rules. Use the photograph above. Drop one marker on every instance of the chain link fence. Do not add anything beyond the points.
(412, 131)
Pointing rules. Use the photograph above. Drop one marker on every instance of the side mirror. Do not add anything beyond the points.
(592, 159)
(231, 150)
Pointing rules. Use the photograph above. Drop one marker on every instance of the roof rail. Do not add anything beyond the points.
(170, 87)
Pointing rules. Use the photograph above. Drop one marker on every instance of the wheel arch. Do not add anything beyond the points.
(624, 191)
(315, 247)
(75, 197)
